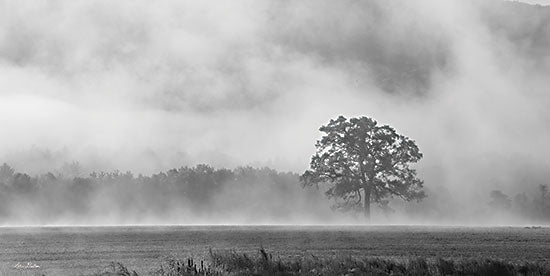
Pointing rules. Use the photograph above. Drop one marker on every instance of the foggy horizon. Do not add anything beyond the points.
(150, 87)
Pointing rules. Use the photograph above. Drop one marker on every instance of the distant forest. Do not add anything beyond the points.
(200, 195)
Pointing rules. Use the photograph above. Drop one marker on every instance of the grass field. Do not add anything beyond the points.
(87, 250)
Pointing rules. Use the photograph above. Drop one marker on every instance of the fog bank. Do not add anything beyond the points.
(147, 87)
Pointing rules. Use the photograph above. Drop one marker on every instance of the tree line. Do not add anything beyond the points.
(186, 194)
(535, 207)
(199, 192)
(358, 162)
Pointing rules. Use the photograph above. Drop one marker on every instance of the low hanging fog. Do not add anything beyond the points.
(93, 90)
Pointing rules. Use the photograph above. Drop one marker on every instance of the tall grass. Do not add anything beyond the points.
(263, 263)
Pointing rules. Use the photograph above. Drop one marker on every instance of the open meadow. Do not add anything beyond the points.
(88, 250)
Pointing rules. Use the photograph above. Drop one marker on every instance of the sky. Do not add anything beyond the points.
(146, 87)
(540, 2)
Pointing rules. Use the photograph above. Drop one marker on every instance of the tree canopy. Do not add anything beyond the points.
(363, 161)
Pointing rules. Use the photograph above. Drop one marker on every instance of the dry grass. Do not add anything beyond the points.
(233, 263)
(265, 264)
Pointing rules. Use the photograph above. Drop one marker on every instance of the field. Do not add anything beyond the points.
(87, 250)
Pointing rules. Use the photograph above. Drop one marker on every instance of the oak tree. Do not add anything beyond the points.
(364, 162)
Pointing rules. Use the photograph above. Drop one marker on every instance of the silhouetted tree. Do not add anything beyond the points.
(363, 162)
(23, 183)
(500, 200)
(6, 172)
(542, 202)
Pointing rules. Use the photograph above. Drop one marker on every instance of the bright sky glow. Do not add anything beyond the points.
(541, 2)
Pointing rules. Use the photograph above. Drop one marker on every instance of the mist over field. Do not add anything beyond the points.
(147, 87)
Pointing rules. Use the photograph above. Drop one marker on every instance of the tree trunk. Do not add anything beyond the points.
(367, 205)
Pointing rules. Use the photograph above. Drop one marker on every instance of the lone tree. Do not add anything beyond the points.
(364, 162)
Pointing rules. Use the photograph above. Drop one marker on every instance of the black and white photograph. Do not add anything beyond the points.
(274, 137)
